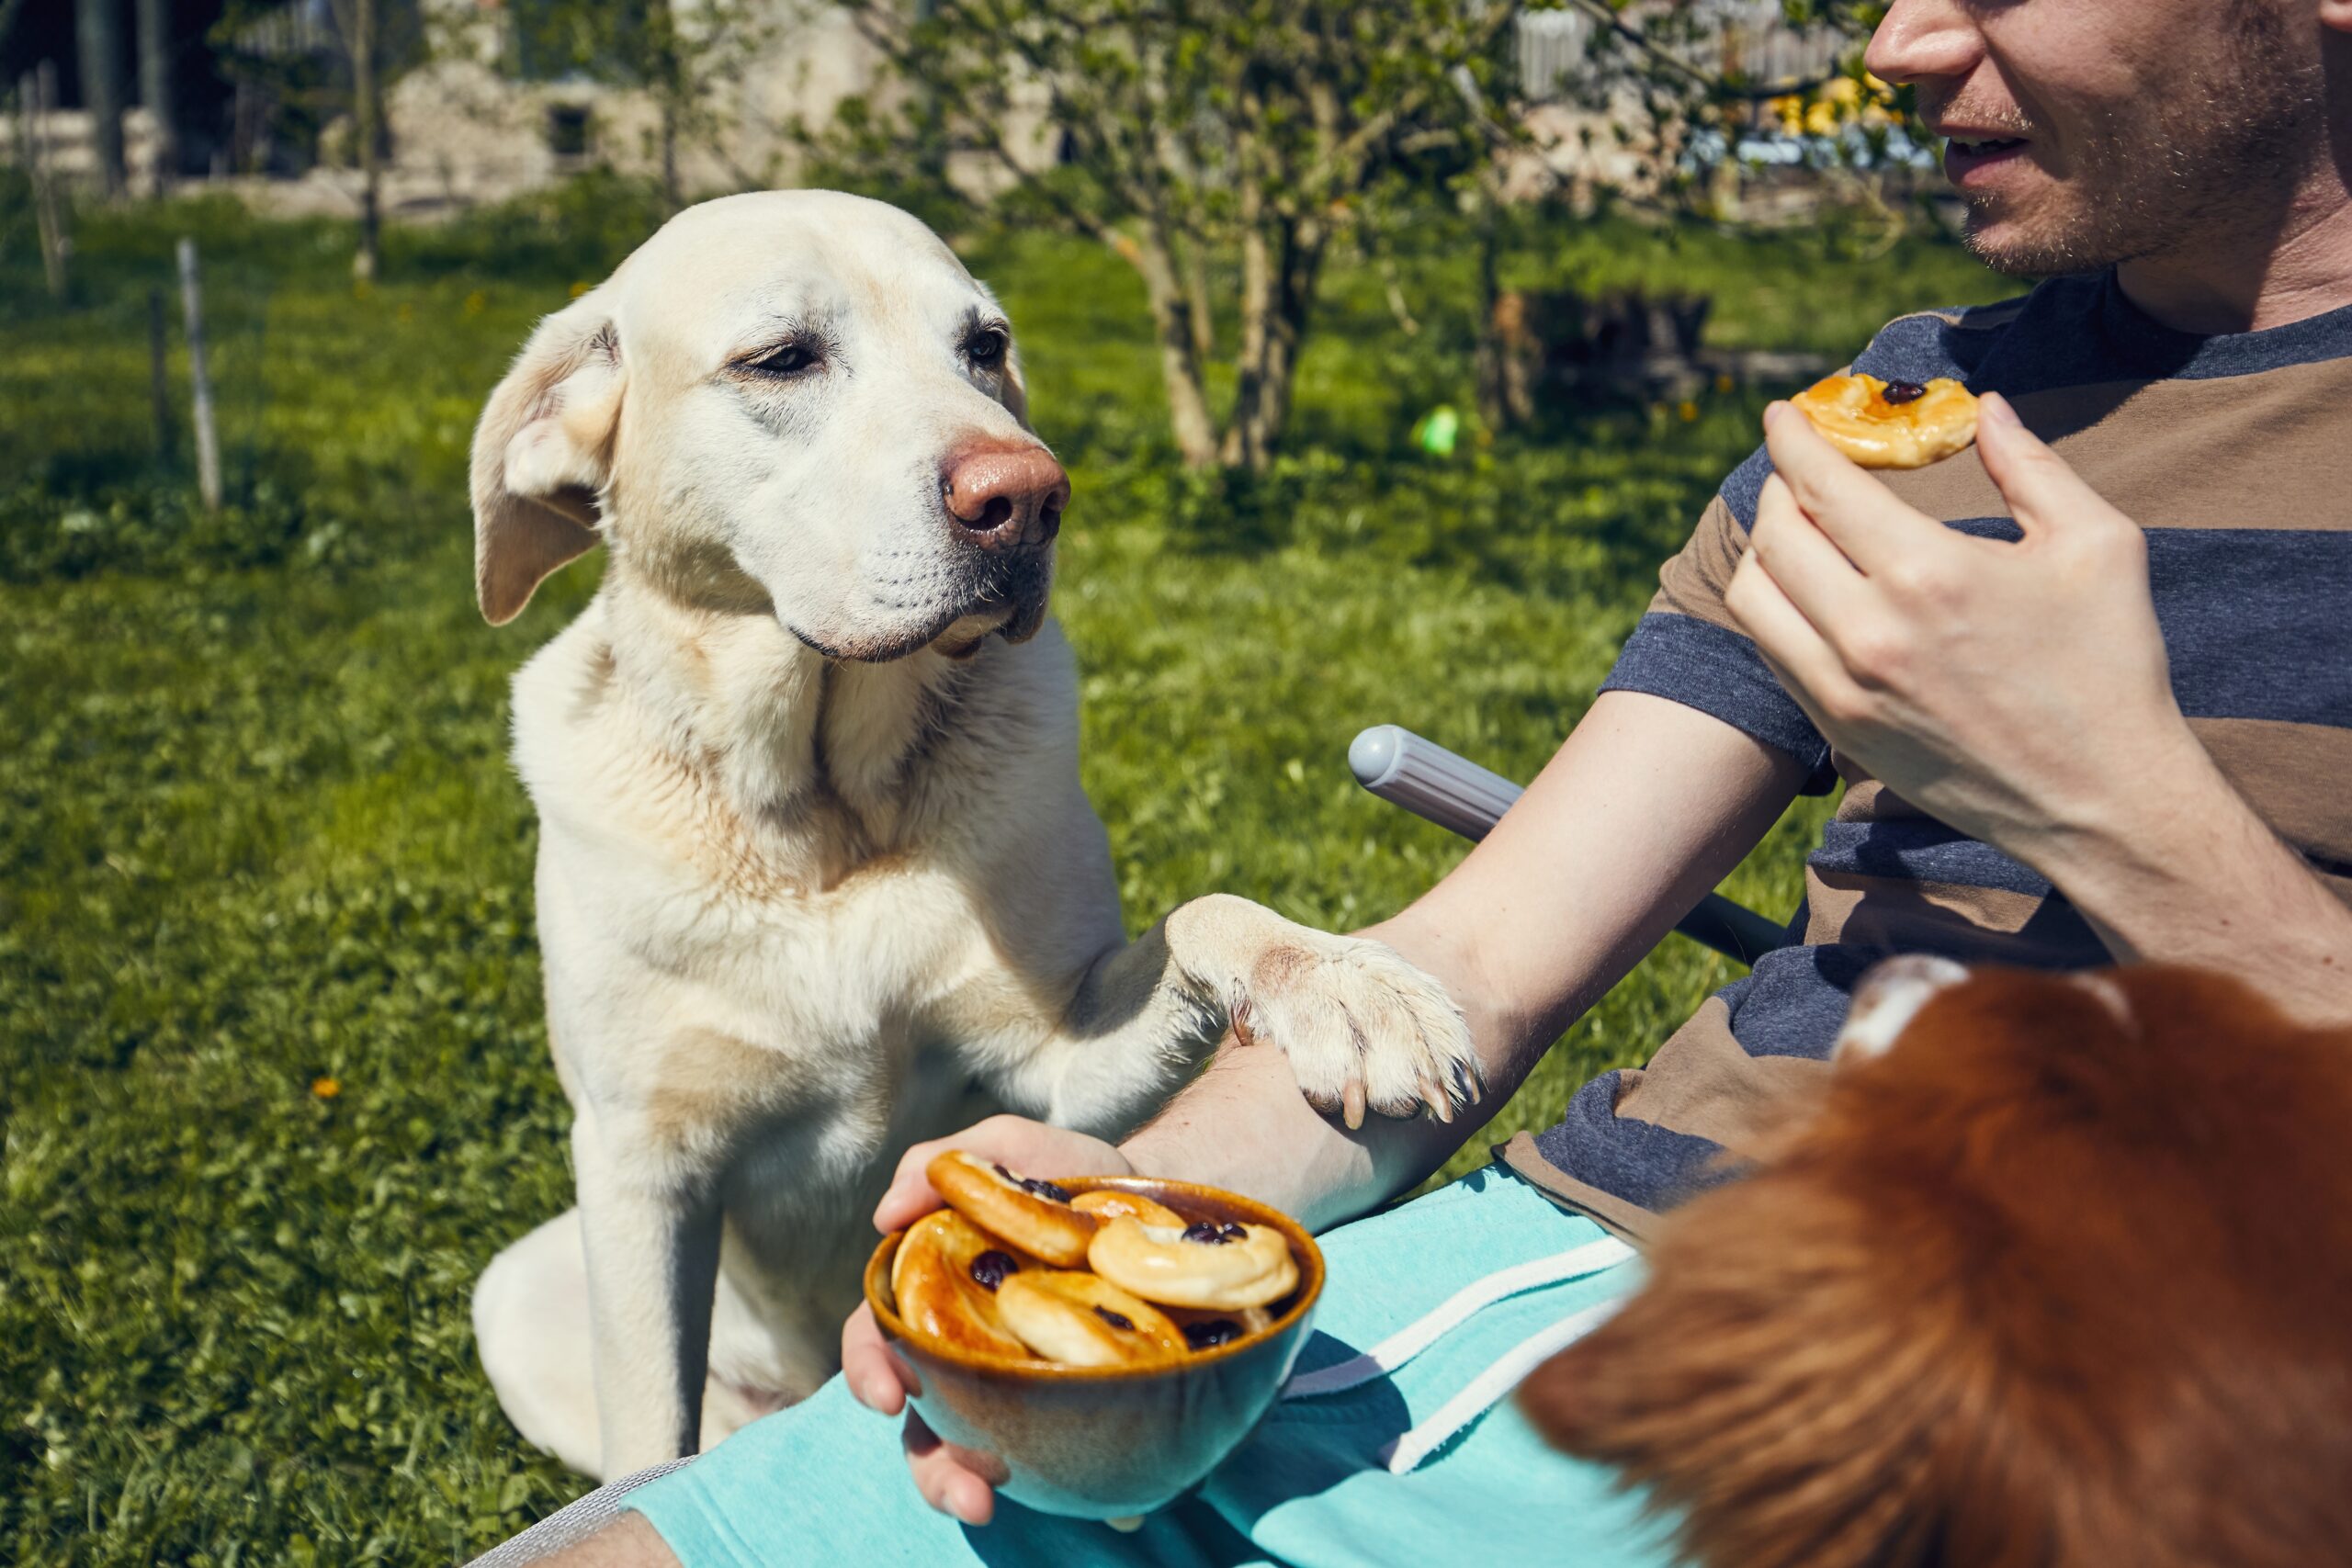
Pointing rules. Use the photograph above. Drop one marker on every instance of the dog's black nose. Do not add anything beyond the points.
(1005, 494)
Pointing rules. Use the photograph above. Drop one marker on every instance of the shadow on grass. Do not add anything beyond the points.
(100, 509)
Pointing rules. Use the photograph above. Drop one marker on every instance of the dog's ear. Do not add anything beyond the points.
(543, 452)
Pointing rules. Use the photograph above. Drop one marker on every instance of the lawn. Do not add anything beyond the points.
(271, 1055)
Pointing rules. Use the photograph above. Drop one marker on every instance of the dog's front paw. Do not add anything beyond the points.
(1362, 1028)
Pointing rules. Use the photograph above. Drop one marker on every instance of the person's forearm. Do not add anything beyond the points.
(1645, 809)
(2177, 868)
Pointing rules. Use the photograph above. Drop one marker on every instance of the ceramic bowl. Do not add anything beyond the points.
(1110, 1442)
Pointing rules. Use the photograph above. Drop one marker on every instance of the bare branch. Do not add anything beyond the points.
(1711, 82)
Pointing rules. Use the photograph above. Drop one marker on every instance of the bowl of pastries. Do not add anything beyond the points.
(1107, 1338)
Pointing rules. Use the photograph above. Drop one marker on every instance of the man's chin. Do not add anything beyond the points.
(2018, 246)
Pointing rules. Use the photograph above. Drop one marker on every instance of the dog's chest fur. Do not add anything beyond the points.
(758, 869)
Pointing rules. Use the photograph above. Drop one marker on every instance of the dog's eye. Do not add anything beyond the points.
(785, 359)
(987, 348)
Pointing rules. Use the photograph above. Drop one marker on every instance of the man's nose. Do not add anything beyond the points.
(1923, 41)
(1005, 494)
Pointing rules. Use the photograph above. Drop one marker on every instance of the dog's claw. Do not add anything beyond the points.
(1467, 1088)
(1352, 1104)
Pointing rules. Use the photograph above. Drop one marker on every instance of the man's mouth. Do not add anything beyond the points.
(1972, 160)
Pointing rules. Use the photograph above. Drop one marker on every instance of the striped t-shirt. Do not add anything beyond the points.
(2235, 452)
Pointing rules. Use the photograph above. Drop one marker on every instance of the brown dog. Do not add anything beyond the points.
(2063, 1280)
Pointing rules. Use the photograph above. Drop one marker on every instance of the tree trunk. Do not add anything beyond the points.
(1300, 273)
(669, 97)
(1197, 301)
(1281, 263)
(1505, 353)
(99, 40)
(155, 90)
(670, 200)
(1257, 302)
(367, 115)
(1180, 363)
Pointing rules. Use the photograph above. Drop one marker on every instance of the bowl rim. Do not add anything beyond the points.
(1302, 1245)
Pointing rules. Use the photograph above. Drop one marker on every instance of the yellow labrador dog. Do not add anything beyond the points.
(816, 876)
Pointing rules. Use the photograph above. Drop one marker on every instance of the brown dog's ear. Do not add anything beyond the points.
(542, 452)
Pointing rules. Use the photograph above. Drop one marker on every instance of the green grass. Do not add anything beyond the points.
(256, 827)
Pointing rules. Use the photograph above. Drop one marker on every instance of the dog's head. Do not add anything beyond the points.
(792, 403)
(2059, 1275)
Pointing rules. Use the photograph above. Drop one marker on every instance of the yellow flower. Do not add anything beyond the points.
(407, 310)
(1722, 382)
(1687, 409)
(326, 1088)
(475, 302)
(579, 288)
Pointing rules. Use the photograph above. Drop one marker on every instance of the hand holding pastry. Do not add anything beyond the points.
(1109, 1384)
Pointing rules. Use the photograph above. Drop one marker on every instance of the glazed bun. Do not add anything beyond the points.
(1220, 1266)
(1109, 1204)
(946, 1278)
(1891, 424)
(1082, 1321)
(1036, 1217)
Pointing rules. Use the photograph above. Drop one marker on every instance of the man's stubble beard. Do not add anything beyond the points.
(2215, 156)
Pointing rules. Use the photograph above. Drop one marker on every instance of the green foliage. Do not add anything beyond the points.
(157, 526)
(1183, 135)
(257, 830)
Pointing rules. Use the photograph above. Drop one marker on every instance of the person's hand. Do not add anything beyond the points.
(958, 1481)
(2010, 690)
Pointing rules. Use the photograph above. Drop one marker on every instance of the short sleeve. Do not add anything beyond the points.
(1687, 649)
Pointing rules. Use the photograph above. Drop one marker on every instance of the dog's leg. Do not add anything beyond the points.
(652, 1251)
(1362, 1026)
(530, 1314)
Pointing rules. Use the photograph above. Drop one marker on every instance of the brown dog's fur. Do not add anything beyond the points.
(2054, 1284)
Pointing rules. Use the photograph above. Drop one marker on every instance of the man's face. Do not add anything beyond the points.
(2086, 132)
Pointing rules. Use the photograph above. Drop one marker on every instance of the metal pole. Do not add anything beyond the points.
(208, 439)
(36, 95)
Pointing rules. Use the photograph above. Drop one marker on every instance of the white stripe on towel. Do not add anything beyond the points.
(1419, 1334)
(1483, 1391)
